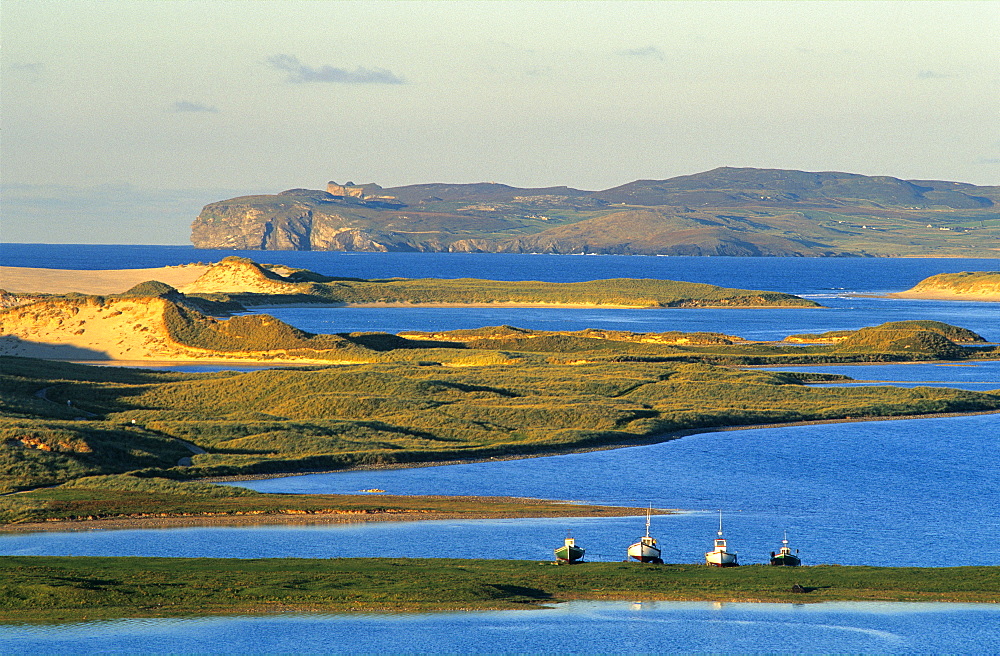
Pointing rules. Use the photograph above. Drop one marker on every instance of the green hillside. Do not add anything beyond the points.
(726, 211)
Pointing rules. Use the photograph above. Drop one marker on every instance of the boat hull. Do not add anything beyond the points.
(721, 559)
(569, 554)
(644, 552)
(786, 561)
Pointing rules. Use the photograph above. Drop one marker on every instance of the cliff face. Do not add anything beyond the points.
(727, 211)
(299, 220)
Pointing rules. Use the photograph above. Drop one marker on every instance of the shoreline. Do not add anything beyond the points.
(942, 295)
(648, 441)
(339, 517)
(520, 304)
(319, 518)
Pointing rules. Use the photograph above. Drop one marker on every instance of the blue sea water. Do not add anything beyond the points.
(833, 282)
(791, 275)
(920, 492)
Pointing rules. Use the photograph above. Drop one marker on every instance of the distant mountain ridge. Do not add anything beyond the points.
(725, 211)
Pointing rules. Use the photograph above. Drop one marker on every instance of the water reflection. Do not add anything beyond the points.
(575, 627)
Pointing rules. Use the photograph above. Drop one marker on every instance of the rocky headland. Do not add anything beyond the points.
(726, 211)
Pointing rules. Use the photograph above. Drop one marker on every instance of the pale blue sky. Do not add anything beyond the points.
(103, 101)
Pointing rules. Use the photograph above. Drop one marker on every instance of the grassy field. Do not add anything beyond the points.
(504, 393)
(63, 589)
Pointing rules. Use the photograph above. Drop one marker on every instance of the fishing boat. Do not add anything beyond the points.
(721, 556)
(785, 557)
(645, 550)
(569, 553)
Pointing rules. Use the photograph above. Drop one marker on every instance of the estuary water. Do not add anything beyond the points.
(833, 282)
(914, 492)
(920, 492)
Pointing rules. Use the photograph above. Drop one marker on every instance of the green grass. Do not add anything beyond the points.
(42, 589)
(329, 418)
(620, 291)
(134, 498)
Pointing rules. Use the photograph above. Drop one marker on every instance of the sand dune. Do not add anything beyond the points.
(111, 329)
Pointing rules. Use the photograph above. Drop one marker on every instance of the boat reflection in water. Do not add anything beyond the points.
(721, 556)
(785, 557)
(645, 550)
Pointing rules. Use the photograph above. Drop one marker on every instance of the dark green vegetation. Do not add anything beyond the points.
(896, 336)
(496, 392)
(56, 589)
(727, 211)
(121, 496)
(894, 341)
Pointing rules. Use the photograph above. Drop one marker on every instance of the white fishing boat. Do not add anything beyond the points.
(645, 550)
(721, 556)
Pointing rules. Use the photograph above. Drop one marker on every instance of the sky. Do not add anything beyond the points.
(119, 119)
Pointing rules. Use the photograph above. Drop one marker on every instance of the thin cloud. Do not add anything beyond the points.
(933, 75)
(299, 73)
(26, 71)
(648, 52)
(185, 106)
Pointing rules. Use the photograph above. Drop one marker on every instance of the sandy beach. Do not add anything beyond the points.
(943, 295)
(27, 280)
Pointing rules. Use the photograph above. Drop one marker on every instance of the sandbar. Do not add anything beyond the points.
(944, 295)
(28, 280)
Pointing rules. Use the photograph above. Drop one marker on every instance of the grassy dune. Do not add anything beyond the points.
(57, 589)
(968, 285)
(61, 421)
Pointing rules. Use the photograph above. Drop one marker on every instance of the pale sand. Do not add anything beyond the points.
(944, 295)
(120, 329)
(26, 280)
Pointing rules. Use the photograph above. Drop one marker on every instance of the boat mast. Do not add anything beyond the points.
(648, 513)
(720, 522)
